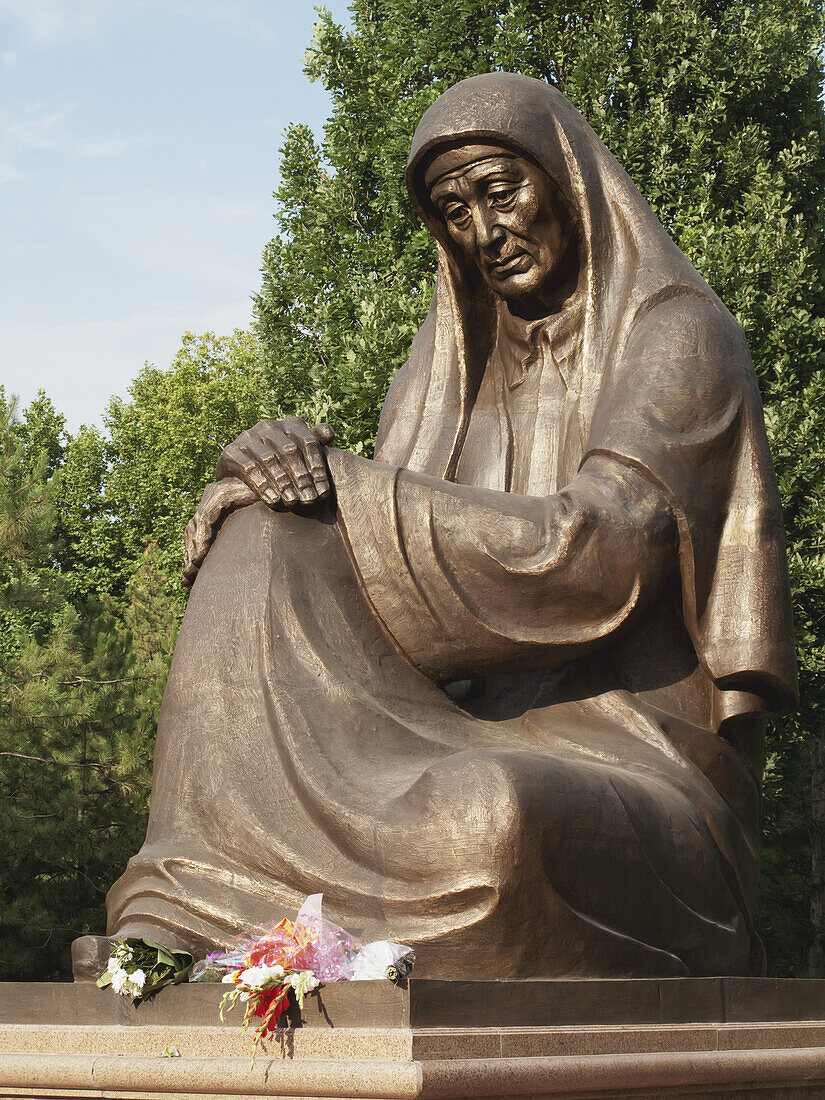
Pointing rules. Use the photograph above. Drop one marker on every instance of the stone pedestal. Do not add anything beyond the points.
(677, 1037)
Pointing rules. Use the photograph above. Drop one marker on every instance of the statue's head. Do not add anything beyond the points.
(505, 214)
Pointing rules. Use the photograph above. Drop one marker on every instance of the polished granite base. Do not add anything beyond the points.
(674, 1037)
(427, 1003)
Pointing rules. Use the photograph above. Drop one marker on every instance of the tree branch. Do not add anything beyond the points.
(58, 763)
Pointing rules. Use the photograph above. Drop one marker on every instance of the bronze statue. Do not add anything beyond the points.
(499, 694)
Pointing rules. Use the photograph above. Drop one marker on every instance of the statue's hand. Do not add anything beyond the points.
(218, 500)
(281, 460)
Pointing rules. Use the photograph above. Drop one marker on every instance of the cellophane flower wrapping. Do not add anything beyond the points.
(310, 943)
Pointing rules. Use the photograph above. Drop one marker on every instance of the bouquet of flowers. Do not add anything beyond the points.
(139, 968)
(265, 988)
(268, 964)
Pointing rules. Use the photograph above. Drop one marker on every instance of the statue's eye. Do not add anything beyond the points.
(502, 197)
(457, 214)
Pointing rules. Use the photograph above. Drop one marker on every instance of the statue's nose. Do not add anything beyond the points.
(489, 232)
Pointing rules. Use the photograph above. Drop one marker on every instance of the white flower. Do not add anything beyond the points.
(119, 980)
(228, 979)
(119, 958)
(303, 983)
(254, 976)
(261, 977)
(138, 980)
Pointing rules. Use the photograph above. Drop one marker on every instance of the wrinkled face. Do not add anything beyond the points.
(508, 218)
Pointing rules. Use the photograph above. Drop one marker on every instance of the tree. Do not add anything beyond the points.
(140, 479)
(714, 109)
(80, 686)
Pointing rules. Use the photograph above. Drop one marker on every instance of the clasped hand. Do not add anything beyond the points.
(279, 462)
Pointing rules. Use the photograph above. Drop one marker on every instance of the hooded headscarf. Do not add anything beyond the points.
(665, 383)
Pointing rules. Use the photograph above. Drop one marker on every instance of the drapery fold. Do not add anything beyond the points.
(471, 581)
(665, 381)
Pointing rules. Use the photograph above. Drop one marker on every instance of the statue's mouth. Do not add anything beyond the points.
(516, 264)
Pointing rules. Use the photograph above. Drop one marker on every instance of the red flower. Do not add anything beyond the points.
(270, 1005)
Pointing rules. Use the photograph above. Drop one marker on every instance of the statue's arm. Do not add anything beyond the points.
(563, 574)
(218, 501)
(479, 580)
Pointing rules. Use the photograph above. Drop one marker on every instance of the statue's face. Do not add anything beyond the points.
(509, 219)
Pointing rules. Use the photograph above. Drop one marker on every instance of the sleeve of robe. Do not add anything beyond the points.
(683, 407)
(470, 581)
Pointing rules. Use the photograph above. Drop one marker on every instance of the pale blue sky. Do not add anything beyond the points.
(138, 155)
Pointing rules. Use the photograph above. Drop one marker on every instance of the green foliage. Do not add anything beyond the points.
(78, 695)
(165, 441)
(91, 540)
(75, 784)
(26, 535)
(90, 554)
(792, 881)
(714, 109)
(140, 480)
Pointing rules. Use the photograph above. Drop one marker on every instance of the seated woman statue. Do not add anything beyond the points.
(499, 694)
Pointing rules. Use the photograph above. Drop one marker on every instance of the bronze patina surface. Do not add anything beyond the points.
(500, 692)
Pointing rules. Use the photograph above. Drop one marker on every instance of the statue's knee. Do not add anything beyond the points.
(485, 804)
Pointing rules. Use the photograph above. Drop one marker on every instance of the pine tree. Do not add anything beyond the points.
(714, 108)
(80, 686)
(91, 548)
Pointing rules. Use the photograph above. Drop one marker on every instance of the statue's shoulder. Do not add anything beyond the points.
(684, 371)
(688, 342)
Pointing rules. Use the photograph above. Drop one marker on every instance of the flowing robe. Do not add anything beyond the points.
(504, 700)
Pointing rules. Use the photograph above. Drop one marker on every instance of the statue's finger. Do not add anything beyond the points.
(254, 474)
(206, 497)
(307, 443)
(324, 433)
(190, 571)
(283, 481)
(191, 562)
(227, 495)
(232, 458)
(209, 509)
(317, 467)
(287, 457)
